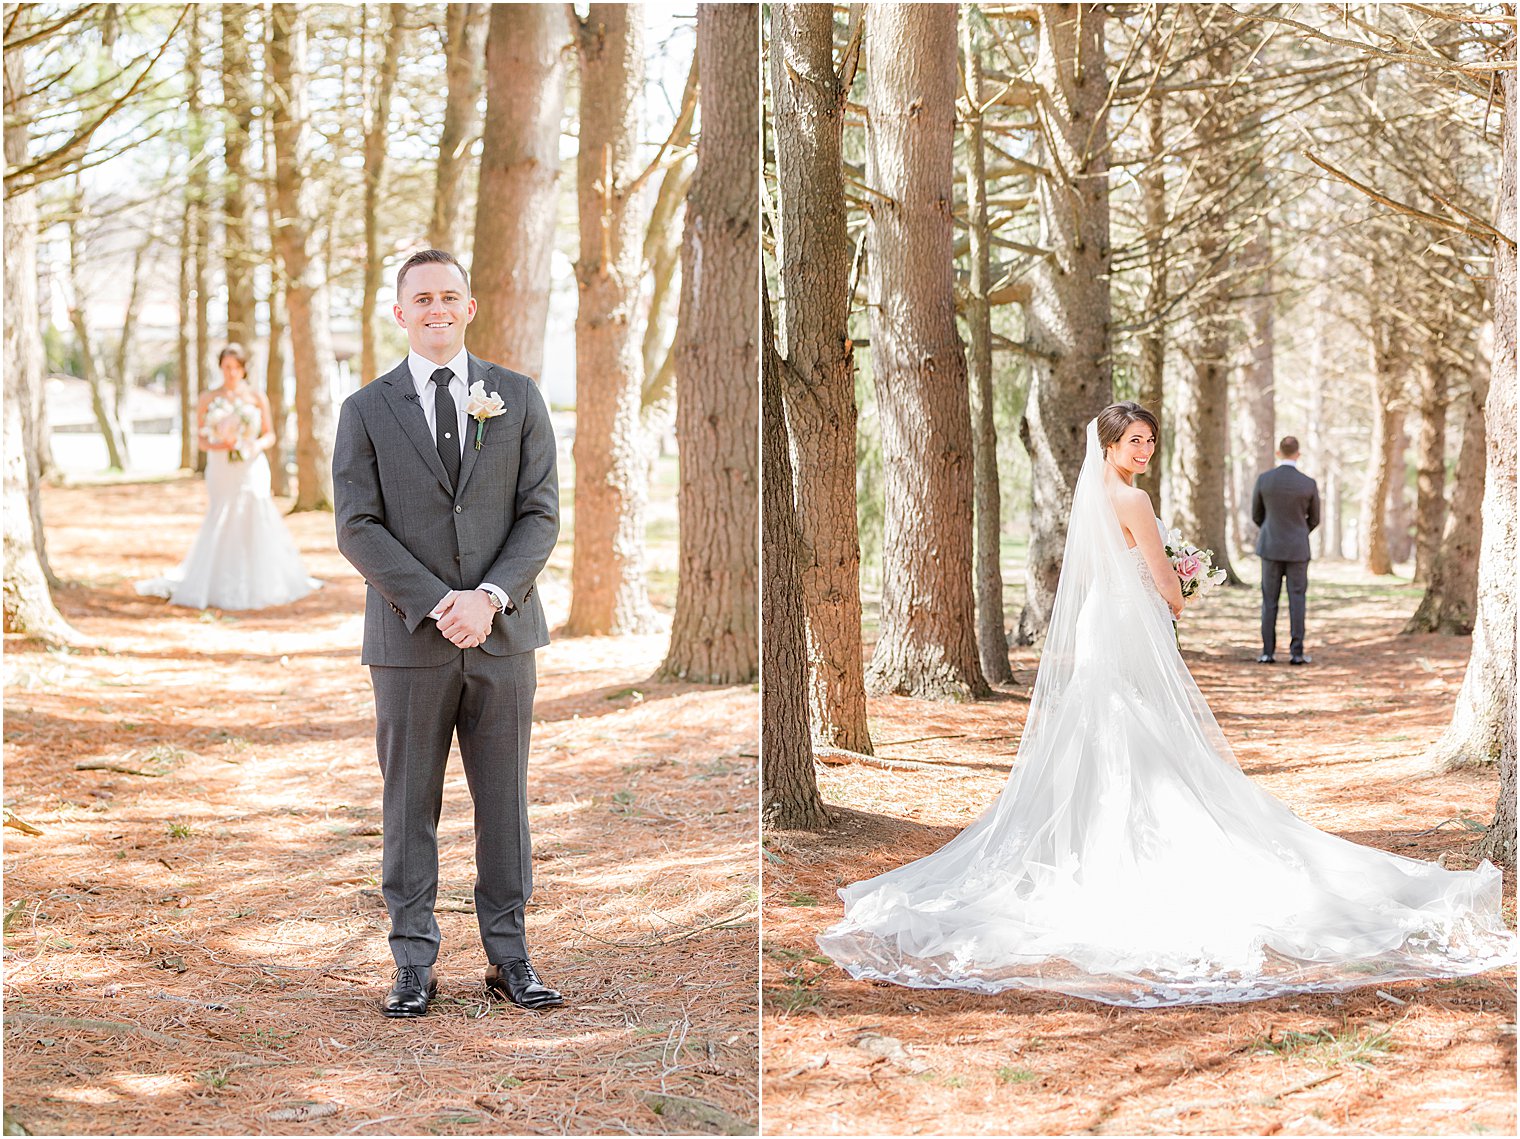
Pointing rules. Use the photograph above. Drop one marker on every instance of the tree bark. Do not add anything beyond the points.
(1482, 729)
(608, 594)
(1387, 417)
(238, 258)
(1151, 389)
(1258, 384)
(306, 293)
(817, 379)
(184, 348)
(1071, 375)
(927, 646)
(1450, 602)
(788, 781)
(28, 599)
(199, 190)
(376, 134)
(526, 61)
(1430, 504)
(991, 634)
(274, 365)
(462, 53)
(715, 636)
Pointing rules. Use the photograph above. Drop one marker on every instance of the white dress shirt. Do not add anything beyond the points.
(422, 370)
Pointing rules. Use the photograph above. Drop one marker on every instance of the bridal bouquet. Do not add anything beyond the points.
(1195, 567)
(233, 423)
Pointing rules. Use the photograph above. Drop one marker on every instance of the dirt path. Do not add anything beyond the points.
(199, 948)
(1338, 741)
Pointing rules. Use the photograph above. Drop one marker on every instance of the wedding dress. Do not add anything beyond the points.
(243, 557)
(1129, 860)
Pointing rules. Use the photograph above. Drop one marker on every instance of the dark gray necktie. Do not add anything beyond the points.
(446, 424)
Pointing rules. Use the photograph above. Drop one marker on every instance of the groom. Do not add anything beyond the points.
(448, 504)
(1286, 507)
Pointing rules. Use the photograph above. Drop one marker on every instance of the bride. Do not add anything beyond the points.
(1129, 860)
(243, 557)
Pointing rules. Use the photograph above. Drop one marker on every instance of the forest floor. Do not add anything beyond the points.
(196, 943)
(1339, 741)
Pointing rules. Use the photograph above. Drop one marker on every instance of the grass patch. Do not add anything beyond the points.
(1353, 1047)
(1011, 1075)
(799, 899)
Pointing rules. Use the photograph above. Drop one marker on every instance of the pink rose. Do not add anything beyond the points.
(1188, 567)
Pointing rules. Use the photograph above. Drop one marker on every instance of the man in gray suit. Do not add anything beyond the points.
(1285, 505)
(448, 503)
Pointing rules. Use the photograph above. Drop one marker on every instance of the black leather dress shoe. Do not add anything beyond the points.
(519, 982)
(413, 991)
(1300, 660)
(1266, 658)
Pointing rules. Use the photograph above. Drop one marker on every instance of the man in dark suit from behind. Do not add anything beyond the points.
(1285, 505)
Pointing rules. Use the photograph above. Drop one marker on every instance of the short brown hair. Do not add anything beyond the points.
(1287, 447)
(430, 257)
(1116, 417)
(236, 351)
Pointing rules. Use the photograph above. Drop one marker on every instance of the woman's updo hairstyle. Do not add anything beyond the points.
(237, 352)
(1115, 419)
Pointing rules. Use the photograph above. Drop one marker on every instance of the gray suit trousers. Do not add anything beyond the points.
(1272, 574)
(489, 701)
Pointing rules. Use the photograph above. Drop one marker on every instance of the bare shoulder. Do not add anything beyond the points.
(1131, 501)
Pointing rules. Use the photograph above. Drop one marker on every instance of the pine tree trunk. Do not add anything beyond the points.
(608, 594)
(1450, 603)
(184, 349)
(238, 257)
(1384, 459)
(1258, 384)
(28, 598)
(1482, 730)
(715, 637)
(462, 52)
(376, 134)
(1430, 505)
(991, 634)
(927, 646)
(526, 60)
(1068, 318)
(814, 255)
(1151, 388)
(1400, 510)
(200, 207)
(306, 294)
(274, 365)
(788, 782)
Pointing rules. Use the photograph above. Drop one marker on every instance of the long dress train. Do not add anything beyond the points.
(1129, 860)
(243, 557)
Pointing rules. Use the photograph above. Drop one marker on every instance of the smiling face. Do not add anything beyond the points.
(1132, 453)
(435, 308)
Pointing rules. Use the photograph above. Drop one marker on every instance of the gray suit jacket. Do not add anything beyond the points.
(414, 539)
(1285, 505)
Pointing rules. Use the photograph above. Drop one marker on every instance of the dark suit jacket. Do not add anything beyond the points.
(414, 540)
(1285, 505)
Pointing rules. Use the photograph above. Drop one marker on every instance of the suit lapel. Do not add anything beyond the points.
(478, 371)
(401, 393)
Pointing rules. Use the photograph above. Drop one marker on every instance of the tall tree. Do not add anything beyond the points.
(526, 60)
(238, 257)
(1258, 384)
(274, 366)
(991, 635)
(788, 782)
(817, 378)
(1068, 317)
(1386, 461)
(462, 55)
(199, 191)
(1450, 602)
(28, 600)
(1151, 387)
(927, 645)
(306, 293)
(715, 636)
(1430, 462)
(376, 135)
(608, 593)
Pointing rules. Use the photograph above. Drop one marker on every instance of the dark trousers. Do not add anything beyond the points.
(1272, 575)
(488, 701)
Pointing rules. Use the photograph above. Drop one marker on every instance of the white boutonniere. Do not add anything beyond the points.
(483, 406)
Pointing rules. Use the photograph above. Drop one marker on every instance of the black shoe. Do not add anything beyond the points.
(1266, 658)
(1300, 660)
(414, 989)
(519, 982)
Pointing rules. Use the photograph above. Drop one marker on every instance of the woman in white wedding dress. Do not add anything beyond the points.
(1129, 860)
(243, 557)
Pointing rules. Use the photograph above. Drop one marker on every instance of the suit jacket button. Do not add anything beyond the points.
(458, 510)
